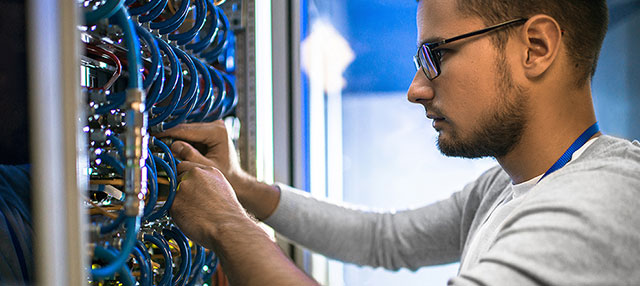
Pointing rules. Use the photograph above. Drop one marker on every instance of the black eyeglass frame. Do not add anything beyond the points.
(429, 59)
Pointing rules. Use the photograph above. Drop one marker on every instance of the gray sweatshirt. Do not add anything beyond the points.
(578, 226)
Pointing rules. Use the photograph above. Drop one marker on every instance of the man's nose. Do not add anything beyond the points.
(420, 89)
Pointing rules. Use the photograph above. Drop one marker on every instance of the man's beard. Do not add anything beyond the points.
(500, 129)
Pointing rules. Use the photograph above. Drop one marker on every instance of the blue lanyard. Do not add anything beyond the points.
(566, 157)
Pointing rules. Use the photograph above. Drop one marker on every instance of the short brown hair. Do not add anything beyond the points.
(584, 23)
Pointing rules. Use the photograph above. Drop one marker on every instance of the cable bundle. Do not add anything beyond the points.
(167, 52)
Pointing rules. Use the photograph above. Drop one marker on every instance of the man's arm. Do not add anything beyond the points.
(206, 209)
(411, 239)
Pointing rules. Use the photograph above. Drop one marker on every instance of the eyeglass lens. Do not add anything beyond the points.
(429, 66)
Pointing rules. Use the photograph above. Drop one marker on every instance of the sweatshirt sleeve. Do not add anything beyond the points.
(429, 235)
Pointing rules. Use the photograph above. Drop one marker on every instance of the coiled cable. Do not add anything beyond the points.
(162, 244)
(186, 37)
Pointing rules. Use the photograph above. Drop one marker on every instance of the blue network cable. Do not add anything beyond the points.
(228, 102)
(118, 144)
(164, 209)
(145, 8)
(211, 262)
(193, 74)
(145, 280)
(133, 226)
(156, 64)
(113, 225)
(186, 37)
(204, 103)
(162, 244)
(175, 67)
(113, 162)
(156, 90)
(190, 98)
(173, 27)
(143, 263)
(211, 53)
(153, 13)
(122, 19)
(156, 72)
(216, 106)
(105, 11)
(231, 100)
(185, 254)
(165, 149)
(206, 40)
(126, 278)
(115, 101)
(198, 263)
(176, 81)
(150, 162)
(177, 18)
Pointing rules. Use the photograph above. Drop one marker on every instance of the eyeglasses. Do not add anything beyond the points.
(428, 57)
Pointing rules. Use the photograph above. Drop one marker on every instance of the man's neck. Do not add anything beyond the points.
(545, 140)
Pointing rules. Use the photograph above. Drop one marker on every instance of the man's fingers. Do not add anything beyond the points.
(184, 151)
(185, 166)
(206, 133)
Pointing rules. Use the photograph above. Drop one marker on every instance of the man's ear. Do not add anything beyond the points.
(541, 36)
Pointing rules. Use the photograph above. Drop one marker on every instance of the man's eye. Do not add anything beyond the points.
(439, 53)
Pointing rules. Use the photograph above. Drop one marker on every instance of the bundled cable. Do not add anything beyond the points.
(170, 78)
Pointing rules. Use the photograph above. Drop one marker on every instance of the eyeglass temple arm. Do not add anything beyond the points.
(471, 34)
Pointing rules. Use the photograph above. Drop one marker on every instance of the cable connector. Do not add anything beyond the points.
(136, 145)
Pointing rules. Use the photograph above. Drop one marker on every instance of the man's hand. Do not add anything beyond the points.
(205, 201)
(259, 198)
(219, 150)
(208, 212)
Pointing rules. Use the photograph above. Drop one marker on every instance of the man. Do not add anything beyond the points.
(506, 79)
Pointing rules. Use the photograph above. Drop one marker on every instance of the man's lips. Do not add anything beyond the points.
(435, 116)
(438, 120)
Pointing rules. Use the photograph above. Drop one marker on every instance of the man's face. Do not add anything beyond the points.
(475, 105)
